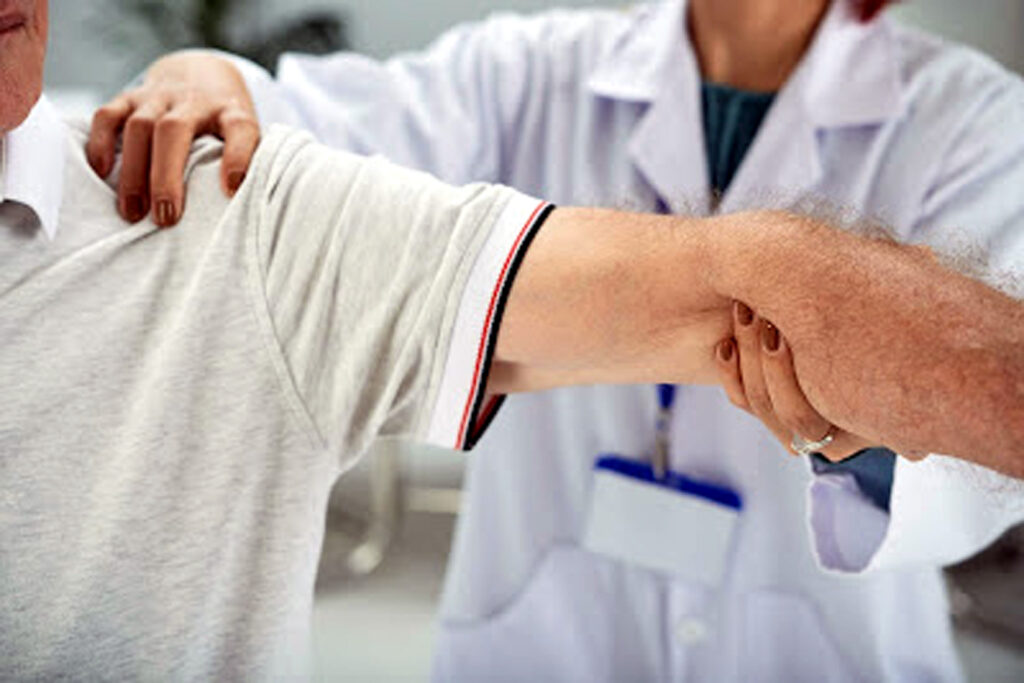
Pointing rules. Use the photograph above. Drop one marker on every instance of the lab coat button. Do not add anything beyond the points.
(691, 631)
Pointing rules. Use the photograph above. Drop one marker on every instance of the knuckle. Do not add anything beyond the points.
(187, 104)
(238, 119)
(172, 124)
(140, 124)
(106, 116)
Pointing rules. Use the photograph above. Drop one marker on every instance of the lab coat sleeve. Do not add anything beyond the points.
(943, 510)
(445, 110)
(272, 105)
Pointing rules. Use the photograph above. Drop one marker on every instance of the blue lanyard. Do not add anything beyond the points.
(659, 459)
(666, 396)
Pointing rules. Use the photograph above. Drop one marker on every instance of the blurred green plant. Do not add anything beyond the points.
(208, 23)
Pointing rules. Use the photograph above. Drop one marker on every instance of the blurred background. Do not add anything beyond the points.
(97, 46)
(391, 519)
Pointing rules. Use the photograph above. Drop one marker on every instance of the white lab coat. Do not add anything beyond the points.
(602, 107)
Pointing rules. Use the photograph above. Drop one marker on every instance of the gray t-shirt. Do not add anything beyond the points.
(176, 404)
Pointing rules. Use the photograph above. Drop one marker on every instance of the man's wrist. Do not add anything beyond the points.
(777, 263)
(742, 248)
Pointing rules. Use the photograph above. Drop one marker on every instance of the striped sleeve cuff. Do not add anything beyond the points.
(461, 413)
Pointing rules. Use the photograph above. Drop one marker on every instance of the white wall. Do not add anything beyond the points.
(85, 51)
(994, 26)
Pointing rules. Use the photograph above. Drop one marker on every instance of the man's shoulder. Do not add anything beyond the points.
(206, 204)
(275, 158)
(204, 158)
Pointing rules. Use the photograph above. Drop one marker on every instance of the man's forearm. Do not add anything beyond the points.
(611, 297)
(887, 342)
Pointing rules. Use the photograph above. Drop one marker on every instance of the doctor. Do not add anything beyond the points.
(829, 573)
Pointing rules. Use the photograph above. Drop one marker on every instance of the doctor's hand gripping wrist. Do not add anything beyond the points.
(755, 368)
(183, 96)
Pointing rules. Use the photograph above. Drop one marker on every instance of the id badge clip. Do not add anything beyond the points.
(646, 514)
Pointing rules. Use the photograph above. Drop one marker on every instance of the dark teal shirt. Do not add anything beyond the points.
(731, 120)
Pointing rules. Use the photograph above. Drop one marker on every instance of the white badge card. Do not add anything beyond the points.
(672, 524)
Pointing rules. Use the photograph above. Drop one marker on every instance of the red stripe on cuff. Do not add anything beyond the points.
(485, 333)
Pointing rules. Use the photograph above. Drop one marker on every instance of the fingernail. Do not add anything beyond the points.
(725, 350)
(235, 180)
(164, 213)
(770, 337)
(134, 207)
(744, 315)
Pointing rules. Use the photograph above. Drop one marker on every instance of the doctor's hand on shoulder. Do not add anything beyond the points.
(183, 96)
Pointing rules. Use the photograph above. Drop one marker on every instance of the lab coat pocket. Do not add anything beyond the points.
(786, 639)
(580, 617)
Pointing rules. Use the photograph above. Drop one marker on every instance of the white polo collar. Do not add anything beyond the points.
(32, 165)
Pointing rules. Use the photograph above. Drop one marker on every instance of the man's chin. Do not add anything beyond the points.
(21, 76)
(16, 102)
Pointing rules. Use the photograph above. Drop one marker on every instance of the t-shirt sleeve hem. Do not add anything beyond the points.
(462, 411)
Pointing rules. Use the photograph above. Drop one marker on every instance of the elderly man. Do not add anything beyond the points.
(177, 405)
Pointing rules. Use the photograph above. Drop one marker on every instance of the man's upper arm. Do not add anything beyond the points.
(383, 287)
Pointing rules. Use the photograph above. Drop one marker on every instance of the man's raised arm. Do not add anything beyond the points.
(888, 343)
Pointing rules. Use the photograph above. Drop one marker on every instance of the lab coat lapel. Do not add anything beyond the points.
(849, 77)
(667, 146)
(655, 65)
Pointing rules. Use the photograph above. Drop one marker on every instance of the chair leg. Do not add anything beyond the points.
(386, 510)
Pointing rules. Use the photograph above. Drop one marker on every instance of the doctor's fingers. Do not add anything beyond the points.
(791, 407)
(106, 125)
(173, 134)
(727, 363)
(159, 126)
(727, 360)
(240, 130)
(748, 344)
(133, 185)
(787, 398)
(176, 131)
(172, 143)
